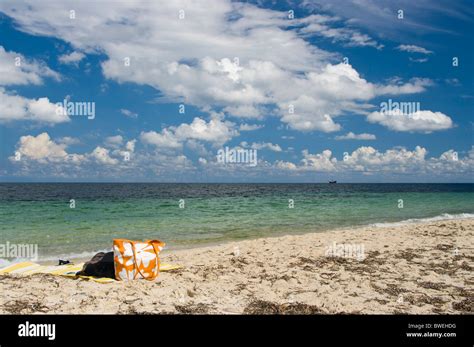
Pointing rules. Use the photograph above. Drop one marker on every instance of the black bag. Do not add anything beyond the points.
(101, 265)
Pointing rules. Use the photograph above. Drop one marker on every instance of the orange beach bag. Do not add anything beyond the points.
(137, 259)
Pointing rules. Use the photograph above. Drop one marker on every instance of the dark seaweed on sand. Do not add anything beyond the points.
(259, 307)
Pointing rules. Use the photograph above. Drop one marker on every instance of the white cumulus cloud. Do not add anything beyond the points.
(164, 139)
(71, 58)
(351, 136)
(43, 149)
(15, 69)
(18, 108)
(255, 65)
(101, 155)
(114, 141)
(395, 161)
(215, 131)
(419, 121)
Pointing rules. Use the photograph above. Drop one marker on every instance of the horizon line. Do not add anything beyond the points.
(152, 182)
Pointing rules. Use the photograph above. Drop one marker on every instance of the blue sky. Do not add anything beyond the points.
(305, 92)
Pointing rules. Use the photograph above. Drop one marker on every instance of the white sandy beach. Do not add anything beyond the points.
(417, 268)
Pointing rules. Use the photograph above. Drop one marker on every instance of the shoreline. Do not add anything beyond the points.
(423, 268)
(380, 225)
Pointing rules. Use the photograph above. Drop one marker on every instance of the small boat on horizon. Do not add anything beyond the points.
(332, 182)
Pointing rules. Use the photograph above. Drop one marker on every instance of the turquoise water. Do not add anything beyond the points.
(41, 213)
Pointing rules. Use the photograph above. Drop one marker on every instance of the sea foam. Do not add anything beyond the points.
(444, 216)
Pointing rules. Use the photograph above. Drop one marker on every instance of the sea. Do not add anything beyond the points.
(76, 220)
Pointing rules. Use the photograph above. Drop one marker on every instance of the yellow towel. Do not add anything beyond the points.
(69, 270)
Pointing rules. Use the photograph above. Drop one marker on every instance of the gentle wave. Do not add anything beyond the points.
(444, 216)
(88, 255)
(82, 255)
